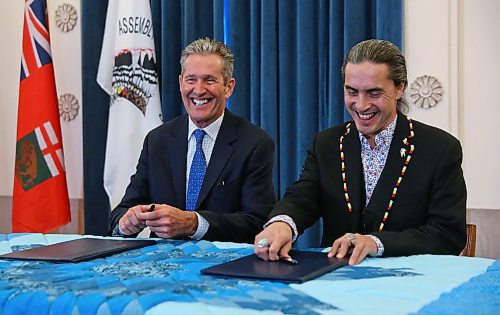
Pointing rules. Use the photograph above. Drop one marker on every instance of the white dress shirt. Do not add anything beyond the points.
(208, 143)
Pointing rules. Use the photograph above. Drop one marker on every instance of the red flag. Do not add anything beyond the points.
(40, 199)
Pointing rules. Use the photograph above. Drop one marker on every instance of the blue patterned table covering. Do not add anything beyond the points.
(165, 278)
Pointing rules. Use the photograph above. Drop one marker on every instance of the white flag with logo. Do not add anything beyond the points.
(127, 72)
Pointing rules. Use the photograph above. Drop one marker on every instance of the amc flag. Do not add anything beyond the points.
(40, 198)
(127, 72)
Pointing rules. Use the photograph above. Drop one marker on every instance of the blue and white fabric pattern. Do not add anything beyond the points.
(166, 279)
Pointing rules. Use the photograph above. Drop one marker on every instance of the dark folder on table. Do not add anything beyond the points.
(78, 250)
(310, 266)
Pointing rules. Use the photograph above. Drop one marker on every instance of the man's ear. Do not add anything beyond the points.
(400, 90)
(229, 88)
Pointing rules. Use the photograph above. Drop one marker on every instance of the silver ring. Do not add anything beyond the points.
(264, 242)
(350, 237)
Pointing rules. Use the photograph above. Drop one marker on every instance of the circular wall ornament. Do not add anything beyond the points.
(426, 91)
(66, 17)
(68, 107)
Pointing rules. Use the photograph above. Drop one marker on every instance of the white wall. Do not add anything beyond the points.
(66, 53)
(458, 43)
(480, 103)
(10, 26)
(430, 49)
(10, 69)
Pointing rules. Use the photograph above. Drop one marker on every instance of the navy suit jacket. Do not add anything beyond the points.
(237, 192)
(428, 212)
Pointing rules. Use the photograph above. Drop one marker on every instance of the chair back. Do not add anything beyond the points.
(470, 246)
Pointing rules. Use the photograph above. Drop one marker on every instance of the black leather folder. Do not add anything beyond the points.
(78, 250)
(310, 265)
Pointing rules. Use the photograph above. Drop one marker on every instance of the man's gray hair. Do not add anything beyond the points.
(208, 46)
(381, 52)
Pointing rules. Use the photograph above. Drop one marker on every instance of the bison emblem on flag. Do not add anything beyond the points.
(37, 159)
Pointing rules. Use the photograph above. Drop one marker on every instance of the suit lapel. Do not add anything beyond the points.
(390, 174)
(354, 175)
(220, 156)
(177, 156)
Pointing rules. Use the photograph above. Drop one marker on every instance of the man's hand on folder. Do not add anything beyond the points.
(357, 245)
(274, 242)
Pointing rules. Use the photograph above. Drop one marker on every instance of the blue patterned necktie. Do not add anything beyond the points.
(197, 172)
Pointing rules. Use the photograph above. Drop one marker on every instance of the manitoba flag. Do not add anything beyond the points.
(40, 198)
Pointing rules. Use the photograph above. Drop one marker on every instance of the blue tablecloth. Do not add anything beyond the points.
(166, 278)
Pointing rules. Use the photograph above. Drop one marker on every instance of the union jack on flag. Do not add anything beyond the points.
(36, 45)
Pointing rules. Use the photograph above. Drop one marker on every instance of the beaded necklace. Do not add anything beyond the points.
(400, 179)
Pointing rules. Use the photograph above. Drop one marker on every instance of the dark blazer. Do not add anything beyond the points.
(428, 213)
(237, 192)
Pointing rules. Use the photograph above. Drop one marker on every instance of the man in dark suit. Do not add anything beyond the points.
(204, 175)
(384, 184)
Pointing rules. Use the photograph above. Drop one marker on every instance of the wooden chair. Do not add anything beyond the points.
(470, 245)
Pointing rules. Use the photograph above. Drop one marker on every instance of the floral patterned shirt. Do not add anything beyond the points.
(374, 159)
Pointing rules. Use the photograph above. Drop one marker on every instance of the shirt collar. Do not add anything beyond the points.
(383, 137)
(211, 130)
